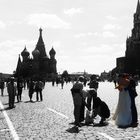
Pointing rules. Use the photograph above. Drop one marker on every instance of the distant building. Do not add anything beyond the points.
(40, 65)
(104, 76)
(130, 63)
(5, 76)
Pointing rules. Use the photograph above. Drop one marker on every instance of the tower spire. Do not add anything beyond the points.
(40, 40)
(40, 31)
(41, 46)
(138, 8)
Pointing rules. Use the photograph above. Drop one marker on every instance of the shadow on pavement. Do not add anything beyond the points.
(100, 125)
(29, 101)
(73, 129)
(7, 108)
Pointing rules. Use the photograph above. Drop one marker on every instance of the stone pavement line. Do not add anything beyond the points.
(106, 136)
(103, 134)
(10, 125)
(64, 116)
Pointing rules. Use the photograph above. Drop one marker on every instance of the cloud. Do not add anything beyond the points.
(105, 34)
(2, 25)
(110, 17)
(108, 34)
(47, 20)
(12, 22)
(102, 49)
(73, 11)
(84, 34)
(111, 27)
(80, 35)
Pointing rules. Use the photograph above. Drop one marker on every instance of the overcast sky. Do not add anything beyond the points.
(86, 34)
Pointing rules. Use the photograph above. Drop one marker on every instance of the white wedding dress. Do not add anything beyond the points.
(122, 114)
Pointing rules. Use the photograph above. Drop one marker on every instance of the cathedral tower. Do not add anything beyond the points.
(41, 46)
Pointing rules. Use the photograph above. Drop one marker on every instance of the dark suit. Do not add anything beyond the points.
(132, 93)
(79, 106)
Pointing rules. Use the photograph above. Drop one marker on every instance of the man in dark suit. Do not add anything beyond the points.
(78, 101)
(133, 94)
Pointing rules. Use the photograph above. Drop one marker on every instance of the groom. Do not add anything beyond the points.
(132, 93)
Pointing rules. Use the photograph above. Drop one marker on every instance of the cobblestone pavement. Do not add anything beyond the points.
(50, 119)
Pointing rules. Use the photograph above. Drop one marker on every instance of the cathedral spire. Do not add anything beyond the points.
(40, 31)
(138, 8)
(40, 40)
(41, 46)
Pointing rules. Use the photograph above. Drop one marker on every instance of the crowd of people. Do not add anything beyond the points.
(87, 104)
(15, 88)
(126, 112)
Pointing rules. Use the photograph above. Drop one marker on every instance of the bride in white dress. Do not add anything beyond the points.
(122, 116)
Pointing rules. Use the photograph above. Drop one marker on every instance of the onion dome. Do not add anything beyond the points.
(35, 53)
(52, 51)
(25, 52)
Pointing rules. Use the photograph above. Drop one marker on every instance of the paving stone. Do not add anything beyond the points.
(33, 121)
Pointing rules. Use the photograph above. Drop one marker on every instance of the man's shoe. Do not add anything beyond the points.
(13, 106)
(79, 125)
(10, 107)
(76, 129)
(135, 124)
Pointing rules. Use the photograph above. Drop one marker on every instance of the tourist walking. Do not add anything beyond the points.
(62, 82)
(11, 89)
(31, 89)
(123, 115)
(2, 85)
(53, 82)
(39, 85)
(19, 89)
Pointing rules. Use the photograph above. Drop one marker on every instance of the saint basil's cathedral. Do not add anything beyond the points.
(40, 65)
